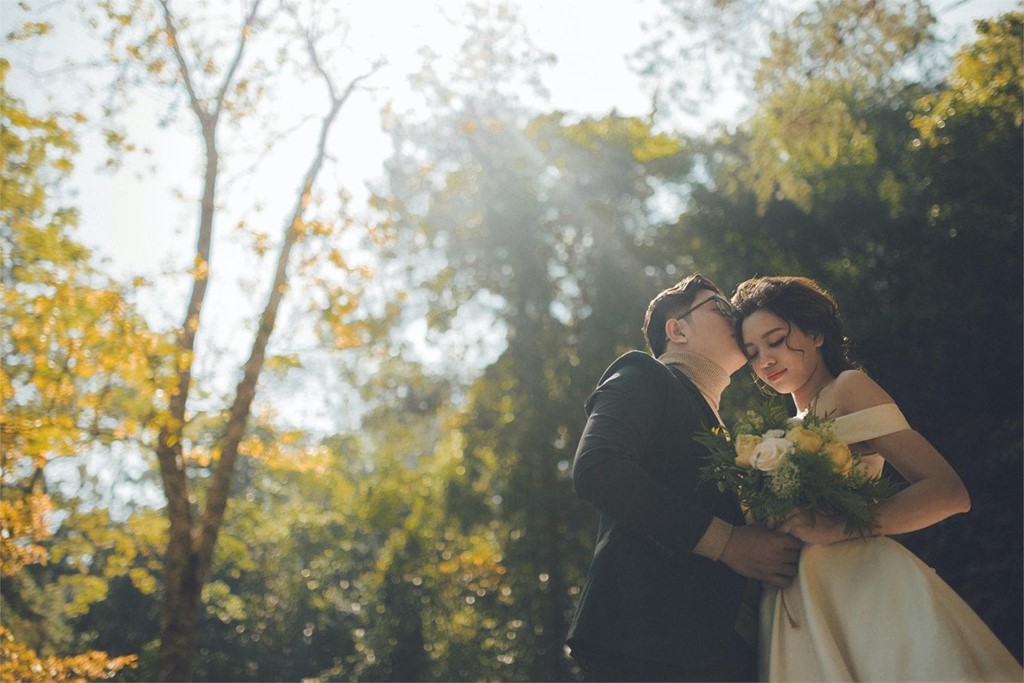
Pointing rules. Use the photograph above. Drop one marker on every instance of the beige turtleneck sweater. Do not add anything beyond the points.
(711, 380)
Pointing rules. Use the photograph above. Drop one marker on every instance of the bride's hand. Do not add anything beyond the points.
(816, 529)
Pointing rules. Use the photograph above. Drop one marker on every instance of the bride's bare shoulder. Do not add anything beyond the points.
(854, 391)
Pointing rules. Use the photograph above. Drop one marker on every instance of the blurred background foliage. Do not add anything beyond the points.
(438, 537)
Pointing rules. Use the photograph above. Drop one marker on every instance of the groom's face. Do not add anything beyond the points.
(711, 331)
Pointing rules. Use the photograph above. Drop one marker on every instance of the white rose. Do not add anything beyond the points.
(770, 453)
(774, 434)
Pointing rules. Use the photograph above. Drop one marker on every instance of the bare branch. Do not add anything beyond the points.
(186, 74)
(237, 59)
(354, 83)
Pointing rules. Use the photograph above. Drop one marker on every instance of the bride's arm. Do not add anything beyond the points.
(934, 490)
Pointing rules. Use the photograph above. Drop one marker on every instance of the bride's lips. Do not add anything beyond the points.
(776, 375)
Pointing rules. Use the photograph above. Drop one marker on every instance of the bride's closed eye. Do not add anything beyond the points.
(752, 354)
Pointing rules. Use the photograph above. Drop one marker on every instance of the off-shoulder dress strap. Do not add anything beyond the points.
(871, 423)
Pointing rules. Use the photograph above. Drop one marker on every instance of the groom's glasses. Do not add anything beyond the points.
(724, 307)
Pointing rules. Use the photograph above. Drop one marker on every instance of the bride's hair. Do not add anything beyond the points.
(799, 301)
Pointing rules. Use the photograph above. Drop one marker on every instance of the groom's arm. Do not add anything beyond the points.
(763, 554)
(623, 415)
(606, 472)
(752, 551)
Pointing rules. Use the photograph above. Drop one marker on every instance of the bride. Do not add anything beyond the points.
(861, 609)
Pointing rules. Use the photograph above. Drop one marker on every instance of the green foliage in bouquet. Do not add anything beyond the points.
(774, 463)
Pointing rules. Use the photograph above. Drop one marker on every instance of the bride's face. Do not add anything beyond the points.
(781, 354)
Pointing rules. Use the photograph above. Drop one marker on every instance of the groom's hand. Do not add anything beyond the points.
(762, 554)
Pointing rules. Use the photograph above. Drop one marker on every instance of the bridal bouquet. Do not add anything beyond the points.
(774, 463)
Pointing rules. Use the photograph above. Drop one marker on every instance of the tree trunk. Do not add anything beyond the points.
(179, 618)
(179, 615)
(540, 460)
(182, 583)
(191, 547)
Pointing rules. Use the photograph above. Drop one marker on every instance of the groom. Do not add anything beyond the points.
(667, 596)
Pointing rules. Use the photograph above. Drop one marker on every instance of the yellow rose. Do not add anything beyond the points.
(804, 439)
(745, 445)
(840, 455)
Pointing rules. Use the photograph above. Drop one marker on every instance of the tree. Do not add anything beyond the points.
(220, 83)
(347, 558)
(498, 216)
(708, 55)
(67, 382)
(539, 223)
(968, 156)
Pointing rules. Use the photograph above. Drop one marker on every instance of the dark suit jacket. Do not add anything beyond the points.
(647, 595)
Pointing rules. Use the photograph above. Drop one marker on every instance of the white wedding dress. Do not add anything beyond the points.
(870, 610)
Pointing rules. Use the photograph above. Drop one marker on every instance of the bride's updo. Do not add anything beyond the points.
(799, 301)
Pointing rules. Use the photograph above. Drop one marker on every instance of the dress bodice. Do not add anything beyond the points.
(867, 424)
(870, 423)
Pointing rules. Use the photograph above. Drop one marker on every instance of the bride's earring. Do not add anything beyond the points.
(761, 385)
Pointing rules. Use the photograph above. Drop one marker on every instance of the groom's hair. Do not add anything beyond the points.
(669, 303)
